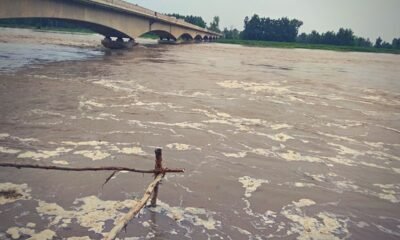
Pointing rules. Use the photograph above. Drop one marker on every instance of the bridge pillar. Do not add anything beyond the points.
(119, 43)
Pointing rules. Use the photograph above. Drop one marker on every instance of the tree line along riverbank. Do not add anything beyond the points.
(272, 44)
(284, 33)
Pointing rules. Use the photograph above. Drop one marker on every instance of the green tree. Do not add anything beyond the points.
(362, 42)
(214, 25)
(195, 20)
(396, 43)
(378, 42)
(266, 29)
(345, 37)
(386, 45)
(233, 33)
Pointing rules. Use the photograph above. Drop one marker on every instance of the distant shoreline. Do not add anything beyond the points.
(68, 30)
(294, 45)
(51, 29)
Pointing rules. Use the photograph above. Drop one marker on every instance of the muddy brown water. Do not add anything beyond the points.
(276, 143)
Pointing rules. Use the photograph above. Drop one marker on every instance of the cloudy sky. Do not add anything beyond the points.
(367, 18)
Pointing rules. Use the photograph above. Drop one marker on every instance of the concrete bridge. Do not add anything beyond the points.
(117, 20)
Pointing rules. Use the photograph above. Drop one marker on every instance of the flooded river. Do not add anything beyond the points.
(276, 143)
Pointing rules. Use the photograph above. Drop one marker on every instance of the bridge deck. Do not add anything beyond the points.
(138, 10)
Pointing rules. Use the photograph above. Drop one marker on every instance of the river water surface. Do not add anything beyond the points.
(276, 143)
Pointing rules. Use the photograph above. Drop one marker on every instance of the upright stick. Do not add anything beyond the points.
(158, 167)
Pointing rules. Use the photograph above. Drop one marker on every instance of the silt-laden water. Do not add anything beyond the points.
(276, 143)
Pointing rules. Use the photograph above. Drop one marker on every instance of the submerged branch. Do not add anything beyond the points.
(93, 169)
(134, 210)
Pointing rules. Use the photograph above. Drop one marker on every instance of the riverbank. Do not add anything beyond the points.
(251, 43)
(49, 29)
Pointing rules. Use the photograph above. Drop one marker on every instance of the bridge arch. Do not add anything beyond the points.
(162, 34)
(186, 37)
(198, 37)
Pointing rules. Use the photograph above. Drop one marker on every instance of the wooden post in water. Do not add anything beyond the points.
(158, 167)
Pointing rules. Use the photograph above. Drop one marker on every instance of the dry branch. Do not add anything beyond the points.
(135, 209)
(117, 169)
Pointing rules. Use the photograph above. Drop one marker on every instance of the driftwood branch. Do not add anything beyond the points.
(122, 223)
(95, 169)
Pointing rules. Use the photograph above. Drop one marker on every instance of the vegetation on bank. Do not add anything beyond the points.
(150, 36)
(270, 44)
(199, 21)
(195, 20)
(283, 32)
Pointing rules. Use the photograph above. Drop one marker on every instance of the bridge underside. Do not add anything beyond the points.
(100, 19)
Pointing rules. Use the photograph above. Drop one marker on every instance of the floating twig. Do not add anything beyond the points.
(94, 169)
(109, 178)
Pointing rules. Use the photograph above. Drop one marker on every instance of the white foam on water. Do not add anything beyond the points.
(254, 87)
(183, 215)
(129, 150)
(281, 126)
(44, 154)
(7, 150)
(296, 156)
(90, 212)
(17, 192)
(197, 126)
(90, 103)
(280, 137)
(31, 225)
(18, 232)
(343, 150)
(4, 135)
(362, 224)
(322, 226)
(342, 161)
(42, 112)
(251, 184)
(182, 147)
(303, 185)
(86, 143)
(146, 224)
(304, 203)
(235, 155)
(60, 162)
(94, 155)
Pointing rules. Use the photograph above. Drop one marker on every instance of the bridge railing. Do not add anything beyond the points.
(136, 8)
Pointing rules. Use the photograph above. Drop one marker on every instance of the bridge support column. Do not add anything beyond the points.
(167, 40)
(119, 43)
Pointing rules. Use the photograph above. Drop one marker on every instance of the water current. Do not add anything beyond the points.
(276, 143)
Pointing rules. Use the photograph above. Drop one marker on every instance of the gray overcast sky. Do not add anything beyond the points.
(367, 18)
